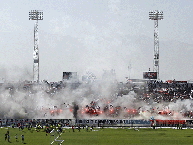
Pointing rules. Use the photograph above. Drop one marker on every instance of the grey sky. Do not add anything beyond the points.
(92, 35)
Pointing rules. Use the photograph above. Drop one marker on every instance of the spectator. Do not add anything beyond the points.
(16, 137)
(22, 138)
(6, 136)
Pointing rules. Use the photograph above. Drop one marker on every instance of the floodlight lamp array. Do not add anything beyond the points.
(156, 15)
(36, 15)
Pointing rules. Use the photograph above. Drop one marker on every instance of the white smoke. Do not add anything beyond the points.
(38, 102)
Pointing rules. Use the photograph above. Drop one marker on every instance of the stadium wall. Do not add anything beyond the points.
(98, 122)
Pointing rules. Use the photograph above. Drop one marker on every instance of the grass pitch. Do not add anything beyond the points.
(106, 136)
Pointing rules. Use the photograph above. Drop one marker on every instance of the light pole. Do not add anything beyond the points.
(156, 15)
(36, 15)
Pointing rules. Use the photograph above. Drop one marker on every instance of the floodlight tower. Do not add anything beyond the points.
(156, 15)
(36, 15)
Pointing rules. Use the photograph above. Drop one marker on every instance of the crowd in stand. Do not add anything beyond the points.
(170, 92)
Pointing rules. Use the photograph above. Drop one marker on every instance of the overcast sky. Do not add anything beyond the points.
(91, 35)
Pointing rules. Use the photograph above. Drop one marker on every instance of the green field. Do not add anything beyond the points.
(106, 136)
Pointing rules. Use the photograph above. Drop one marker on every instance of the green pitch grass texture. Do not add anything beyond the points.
(106, 136)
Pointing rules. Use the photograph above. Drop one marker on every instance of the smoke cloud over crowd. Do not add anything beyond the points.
(96, 100)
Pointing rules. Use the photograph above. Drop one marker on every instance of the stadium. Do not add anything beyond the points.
(70, 99)
(70, 104)
(82, 88)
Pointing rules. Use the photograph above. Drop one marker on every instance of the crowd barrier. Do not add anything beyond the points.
(110, 122)
(70, 122)
(96, 122)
